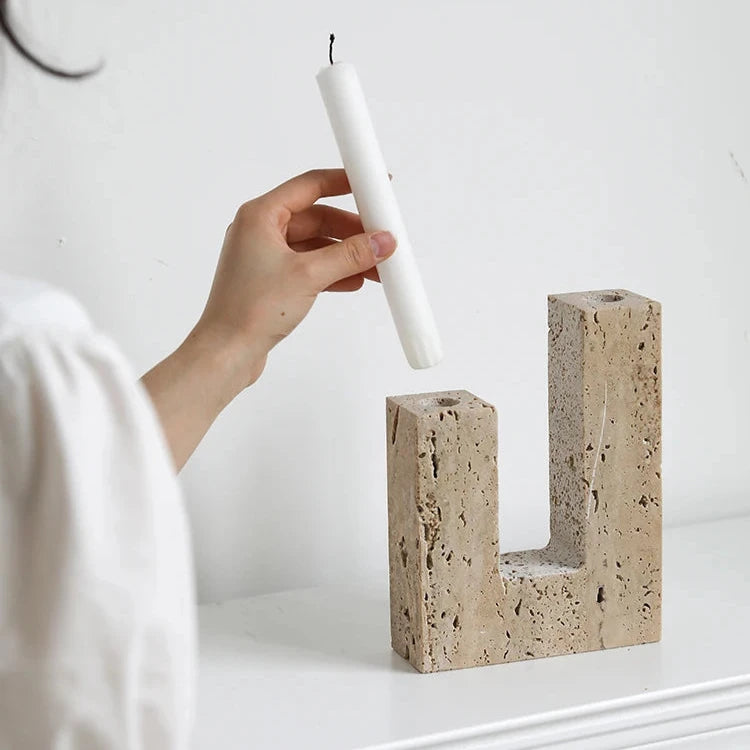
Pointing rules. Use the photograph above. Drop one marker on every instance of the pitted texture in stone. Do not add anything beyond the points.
(455, 601)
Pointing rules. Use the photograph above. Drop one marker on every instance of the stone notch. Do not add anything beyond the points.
(455, 601)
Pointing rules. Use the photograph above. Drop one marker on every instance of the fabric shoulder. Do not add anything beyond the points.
(29, 304)
(70, 392)
(96, 581)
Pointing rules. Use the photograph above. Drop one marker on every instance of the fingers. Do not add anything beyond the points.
(350, 257)
(323, 221)
(302, 191)
(372, 274)
(314, 243)
(350, 284)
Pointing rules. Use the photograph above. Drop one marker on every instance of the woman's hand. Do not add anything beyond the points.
(280, 252)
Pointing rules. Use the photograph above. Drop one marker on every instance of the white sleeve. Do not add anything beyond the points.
(97, 618)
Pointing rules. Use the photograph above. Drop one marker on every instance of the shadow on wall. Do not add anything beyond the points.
(296, 470)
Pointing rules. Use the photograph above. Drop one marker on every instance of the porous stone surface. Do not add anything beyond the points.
(455, 601)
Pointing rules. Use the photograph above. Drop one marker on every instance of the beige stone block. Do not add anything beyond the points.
(455, 601)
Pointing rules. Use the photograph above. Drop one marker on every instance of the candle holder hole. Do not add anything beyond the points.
(611, 297)
(437, 401)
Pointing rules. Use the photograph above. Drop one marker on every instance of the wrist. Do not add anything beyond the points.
(193, 385)
(226, 363)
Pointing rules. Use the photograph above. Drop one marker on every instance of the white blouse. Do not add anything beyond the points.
(97, 611)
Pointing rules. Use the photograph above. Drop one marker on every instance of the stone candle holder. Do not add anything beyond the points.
(455, 600)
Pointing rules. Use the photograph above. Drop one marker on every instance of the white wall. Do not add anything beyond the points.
(537, 147)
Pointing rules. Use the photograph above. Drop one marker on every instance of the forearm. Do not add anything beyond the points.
(280, 251)
(190, 388)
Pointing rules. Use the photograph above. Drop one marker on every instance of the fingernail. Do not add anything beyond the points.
(382, 243)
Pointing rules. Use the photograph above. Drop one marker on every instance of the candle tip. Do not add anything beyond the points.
(331, 40)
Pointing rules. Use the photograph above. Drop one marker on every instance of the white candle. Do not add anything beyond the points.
(377, 206)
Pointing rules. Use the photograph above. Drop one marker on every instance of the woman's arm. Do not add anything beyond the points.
(279, 253)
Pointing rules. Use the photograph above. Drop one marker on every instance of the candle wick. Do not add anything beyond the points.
(330, 48)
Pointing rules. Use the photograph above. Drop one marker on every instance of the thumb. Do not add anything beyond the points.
(349, 257)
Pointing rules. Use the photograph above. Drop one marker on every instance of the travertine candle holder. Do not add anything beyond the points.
(455, 601)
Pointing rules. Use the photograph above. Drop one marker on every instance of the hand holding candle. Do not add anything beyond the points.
(378, 209)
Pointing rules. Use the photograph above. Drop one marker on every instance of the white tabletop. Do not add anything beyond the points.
(313, 669)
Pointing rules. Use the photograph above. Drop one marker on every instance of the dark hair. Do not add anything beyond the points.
(7, 29)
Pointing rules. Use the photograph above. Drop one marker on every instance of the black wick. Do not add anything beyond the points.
(331, 39)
